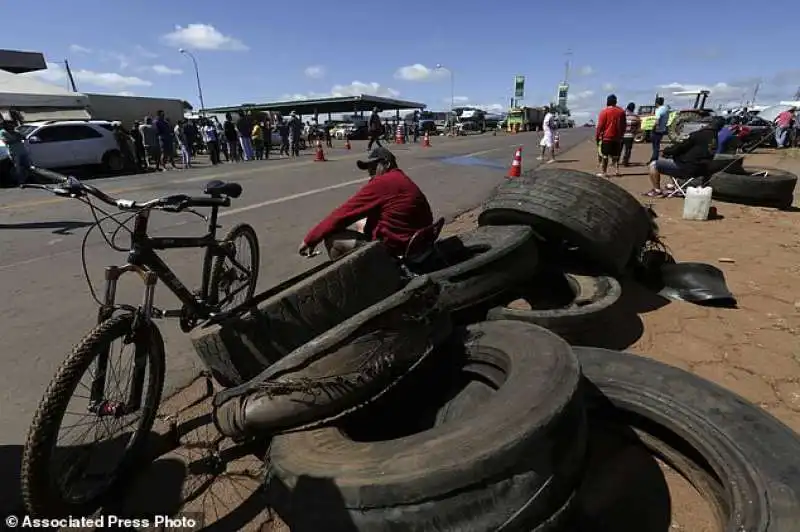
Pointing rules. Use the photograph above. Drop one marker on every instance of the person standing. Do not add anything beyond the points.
(17, 151)
(609, 134)
(151, 146)
(258, 141)
(660, 128)
(211, 138)
(138, 145)
(295, 133)
(244, 126)
(165, 140)
(784, 124)
(632, 126)
(231, 139)
(374, 128)
(183, 146)
(283, 131)
(548, 138)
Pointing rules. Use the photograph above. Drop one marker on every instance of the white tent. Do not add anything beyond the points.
(25, 93)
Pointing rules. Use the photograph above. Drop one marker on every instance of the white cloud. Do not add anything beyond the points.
(585, 71)
(419, 72)
(144, 52)
(355, 88)
(125, 93)
(608, 87)
(458, 99)
(78, 49)
(110, 80)
(164, 70)
(315, 71)
(203, 37)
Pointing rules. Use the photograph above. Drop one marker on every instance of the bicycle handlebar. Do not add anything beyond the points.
(70, 187)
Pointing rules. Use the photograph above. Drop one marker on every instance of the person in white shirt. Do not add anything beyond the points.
(548, 138)
(211, 138)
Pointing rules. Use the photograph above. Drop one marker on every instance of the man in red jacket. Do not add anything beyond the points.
(610, 130)
(389, 208)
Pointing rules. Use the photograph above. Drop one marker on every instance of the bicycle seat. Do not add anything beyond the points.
(221, 188)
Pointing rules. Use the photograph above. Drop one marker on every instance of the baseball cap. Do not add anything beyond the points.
(377, 155)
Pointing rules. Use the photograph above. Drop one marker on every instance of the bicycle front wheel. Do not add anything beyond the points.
(235, 274)
(75, 479)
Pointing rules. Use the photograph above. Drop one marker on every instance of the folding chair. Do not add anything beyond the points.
(680, 184)
(421, 246)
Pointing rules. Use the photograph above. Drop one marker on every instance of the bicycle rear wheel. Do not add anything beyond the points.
(234, 278)
(44, 484)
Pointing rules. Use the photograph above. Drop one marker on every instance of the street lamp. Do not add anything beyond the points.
(197, 76)
(439, 66)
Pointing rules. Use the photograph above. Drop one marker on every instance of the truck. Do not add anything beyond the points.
(129, 109)
(525, 118)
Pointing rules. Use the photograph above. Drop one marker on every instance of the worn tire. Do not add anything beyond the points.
(341, 370)
(294, 312)
(512, 465)
(747, 186)
(497, 258)
(703, 431)
(591, 306)
(724, 162)
(606, 222)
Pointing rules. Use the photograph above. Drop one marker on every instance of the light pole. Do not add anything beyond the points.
(197, 76)
(452, 93)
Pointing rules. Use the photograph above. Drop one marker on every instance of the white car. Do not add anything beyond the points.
(340, 132)
(72, 143)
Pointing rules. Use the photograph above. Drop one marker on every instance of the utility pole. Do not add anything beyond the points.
(69, 76)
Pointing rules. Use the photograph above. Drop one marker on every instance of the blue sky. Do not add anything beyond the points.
(256, 51)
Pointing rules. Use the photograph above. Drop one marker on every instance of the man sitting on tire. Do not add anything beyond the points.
(389, 208)
(686, 159)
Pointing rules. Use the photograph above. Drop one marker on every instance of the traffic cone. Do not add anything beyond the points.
(426, 141)
(399, 137)
(320, 156)
(516, 164)
(347, 144)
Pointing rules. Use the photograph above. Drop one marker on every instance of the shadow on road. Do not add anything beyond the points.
(10, 498)
(64, 227)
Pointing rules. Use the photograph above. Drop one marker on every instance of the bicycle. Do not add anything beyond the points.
(43, 488)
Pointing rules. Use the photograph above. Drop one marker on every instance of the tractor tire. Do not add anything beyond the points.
(281, 319)
(512, 463)
(606, 223)
(676, 129)
(768, 187)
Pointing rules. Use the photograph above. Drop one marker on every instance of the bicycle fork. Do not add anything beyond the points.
(98, 403)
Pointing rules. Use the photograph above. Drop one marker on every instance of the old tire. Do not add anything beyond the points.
(294, 312)
(675, 131)
(512, 465)
(741, 458)
(341, 370)
(752, 186)
(605, 222)
(590, 307)
(113, 162)
(484, 262)
(724, 162)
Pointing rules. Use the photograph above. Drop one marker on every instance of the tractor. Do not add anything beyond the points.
(684, 116)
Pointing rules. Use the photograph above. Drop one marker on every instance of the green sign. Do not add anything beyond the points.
(519, 87)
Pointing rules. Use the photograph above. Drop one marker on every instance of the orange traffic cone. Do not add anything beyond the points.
(426, 141)
(399, 136)
(516, 164)
(347, 144)
(320, 156)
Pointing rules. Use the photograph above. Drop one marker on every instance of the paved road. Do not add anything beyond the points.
(44, 304)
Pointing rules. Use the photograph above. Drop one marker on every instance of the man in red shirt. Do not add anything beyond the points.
(389, 208)
(610, 130)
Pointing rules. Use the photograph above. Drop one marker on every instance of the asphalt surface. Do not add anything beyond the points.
(45, 307)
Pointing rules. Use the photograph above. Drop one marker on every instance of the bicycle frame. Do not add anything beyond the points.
(144, 261)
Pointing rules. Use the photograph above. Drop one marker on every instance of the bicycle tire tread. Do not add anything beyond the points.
(219, 263)
(34, 475)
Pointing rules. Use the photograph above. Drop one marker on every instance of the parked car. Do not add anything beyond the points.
(752, 131)
(358, 133)
(340, 132)
(275, 137)
(72, 144)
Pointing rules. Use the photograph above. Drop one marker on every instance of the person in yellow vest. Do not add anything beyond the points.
(258, 140)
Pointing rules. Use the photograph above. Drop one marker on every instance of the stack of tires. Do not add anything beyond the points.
(428, 402)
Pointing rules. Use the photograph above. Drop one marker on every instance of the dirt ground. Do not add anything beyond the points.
(753, 350)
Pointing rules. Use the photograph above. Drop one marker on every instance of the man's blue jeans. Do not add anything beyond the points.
(781, 133)
(22, 164)
(655, 138)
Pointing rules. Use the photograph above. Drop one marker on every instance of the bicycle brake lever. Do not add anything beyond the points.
(199, 214)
